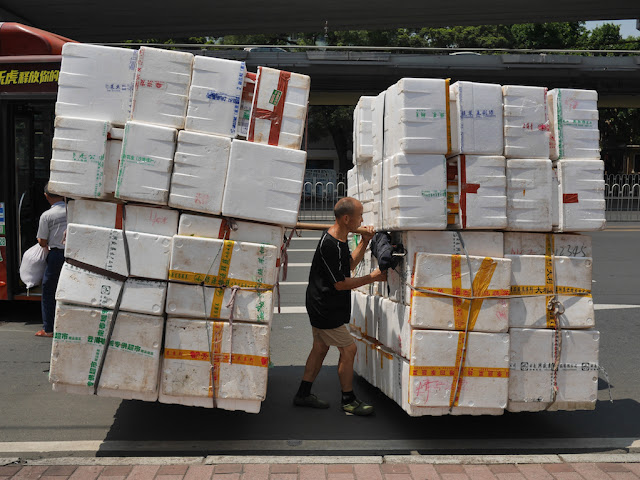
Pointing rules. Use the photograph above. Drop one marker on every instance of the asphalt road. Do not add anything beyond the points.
(31, 412)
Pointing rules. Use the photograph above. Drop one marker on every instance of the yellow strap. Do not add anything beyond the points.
(477, 372)
(216, 349)
(536, 290)
(236, 358)
(548, 276)
(448, 110)
(461, 357)
(223, 272)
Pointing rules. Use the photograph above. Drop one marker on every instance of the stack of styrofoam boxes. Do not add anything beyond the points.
(163, 98)
(508, 194)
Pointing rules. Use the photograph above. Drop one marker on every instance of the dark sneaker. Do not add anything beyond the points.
(358, 407)
(310, 401)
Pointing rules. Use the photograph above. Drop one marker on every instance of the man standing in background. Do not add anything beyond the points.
(53, 224)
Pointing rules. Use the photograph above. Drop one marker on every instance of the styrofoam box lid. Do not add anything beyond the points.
(139, 218)
(562, 244)
(239, 231)
(96, 82)
(264, 183)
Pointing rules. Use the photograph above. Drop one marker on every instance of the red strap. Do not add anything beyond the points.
(274, 116)
(464, 189)
(118, 225)
(569, 198)
(225, 230)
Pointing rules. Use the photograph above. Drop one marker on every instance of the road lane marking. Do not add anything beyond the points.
(290, 310)
(607, 306)
(299, 265)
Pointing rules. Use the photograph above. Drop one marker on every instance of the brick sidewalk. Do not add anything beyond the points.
(560, 471)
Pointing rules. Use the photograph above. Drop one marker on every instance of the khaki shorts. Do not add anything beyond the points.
(336, 337)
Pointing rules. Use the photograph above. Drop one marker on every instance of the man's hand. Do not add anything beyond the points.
(379, 276)
(366, 237)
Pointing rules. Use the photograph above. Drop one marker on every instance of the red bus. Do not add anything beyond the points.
(29, 67)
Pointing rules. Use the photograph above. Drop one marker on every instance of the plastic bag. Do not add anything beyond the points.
(34, 261)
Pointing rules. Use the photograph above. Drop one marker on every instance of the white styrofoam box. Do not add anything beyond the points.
(352, 183)
(484, 244)
(104, 248)
(365, 267)
(377, 128)
(394, 329)
(161, 91)
(387, 371)
(414, 192)
(526, 122)
(78, 157)
(279, 109)
(195, 301)
(364, 363)
(358, 310)
(435, 365)
(131, 366)
(111, 165)
(574, 116)
(453, 194)
(146, 163)
(531, 377)
(535, 275)
(96, 82)
(563, 245)
(244, 116)
(416, 117)
(581, 203)
(137, 218)
(82, 287)
(222, 262)
(116, 133)
(199, 172)
(451, 274)
(478, 117)
(555, 199)
(215, 95)
(483, 177)
(264, 183)
(365, 181)
(236, 230)
(529, 192)
(236, 379)
(363, 130)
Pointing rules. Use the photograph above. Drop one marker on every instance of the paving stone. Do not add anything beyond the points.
(284, 476)
(478, 472)
(367, 472)
(634, 467)
(590, 471)
(554, 468)
(54, 477)
(387, 468)
(228, 468)
(169, 477)
(340, 476)
(59, 470)
(9, 470)
(312, 472)
(198, 472)
(226, 476)
(623, 475)
(283, 468)
(506, 468)
(535, 472)
(339, 468)
(31, 472)
(173, 469)
(568, 476)
(116, 471)
(424, 472)
(612, 467)
(397, 476)
(510, 476)
(454, 476)
(443, 469)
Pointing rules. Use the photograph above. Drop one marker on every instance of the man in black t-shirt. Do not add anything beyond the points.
(328, 303)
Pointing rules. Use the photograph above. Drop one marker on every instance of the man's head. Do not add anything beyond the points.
(348, 213)
(51, 197)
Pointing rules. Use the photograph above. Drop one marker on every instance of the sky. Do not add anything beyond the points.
(627, 27)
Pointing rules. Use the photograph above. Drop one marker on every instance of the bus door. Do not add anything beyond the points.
(33, 132)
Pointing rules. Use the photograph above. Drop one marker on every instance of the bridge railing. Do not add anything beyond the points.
(318, 199)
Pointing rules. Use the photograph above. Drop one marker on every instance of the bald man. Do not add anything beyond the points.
(328, 303)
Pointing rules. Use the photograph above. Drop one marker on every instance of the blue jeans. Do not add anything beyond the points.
(55, 259)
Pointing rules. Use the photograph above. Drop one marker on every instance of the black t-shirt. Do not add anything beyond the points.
(328, 307)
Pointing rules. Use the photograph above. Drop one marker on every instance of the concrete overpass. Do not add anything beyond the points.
(340, 77)
(90, 21)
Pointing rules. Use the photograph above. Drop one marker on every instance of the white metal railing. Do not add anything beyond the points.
(622, 197)
(318, 199)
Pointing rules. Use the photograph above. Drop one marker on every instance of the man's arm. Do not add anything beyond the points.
(351, 283)
(358, 253)
(43, 242)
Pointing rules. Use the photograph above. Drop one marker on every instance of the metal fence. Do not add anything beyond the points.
(318, 199)
(622, 197)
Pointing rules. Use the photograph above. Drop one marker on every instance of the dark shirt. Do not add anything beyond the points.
(326, 306)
